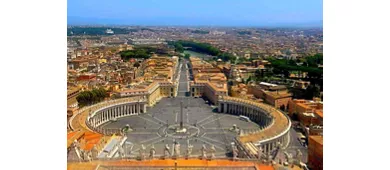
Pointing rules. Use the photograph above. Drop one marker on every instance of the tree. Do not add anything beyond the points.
(90, 97)
(136, 64)
(315, 60)
(312, 91)
(286, 73)
(179, 47)
(241, 60)
(187, 56)
(196, 46)
(248, 80)
(227, 57)
(140, 52)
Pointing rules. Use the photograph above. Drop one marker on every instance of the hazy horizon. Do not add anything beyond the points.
(246, 13)
(80, 21)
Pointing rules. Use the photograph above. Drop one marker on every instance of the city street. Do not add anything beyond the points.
(183, 88)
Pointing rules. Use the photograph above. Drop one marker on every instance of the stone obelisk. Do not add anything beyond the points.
(181, 114)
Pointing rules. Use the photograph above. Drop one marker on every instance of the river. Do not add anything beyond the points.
(200, 55)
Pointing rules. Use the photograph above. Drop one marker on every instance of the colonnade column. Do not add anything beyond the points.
(121, 109)
(104, 117)
(124, 110)
(130, 109)
(116, 111)
(108, 115)
(99, 118)
(262, 121)
(268, 147)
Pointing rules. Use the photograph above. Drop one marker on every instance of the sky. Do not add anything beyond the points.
(196, 12)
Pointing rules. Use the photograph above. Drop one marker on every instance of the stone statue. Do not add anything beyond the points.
(127, 150)
(177, 149)
(89, 156)
(260, 152)
(279, 145)
(76, 144)
(299, 156)
(82, 155)
(152, 152)
(94, 152)
(204, 152)
(121, 151)
(235, 152)
(166, 151)
(269, 157)
(141, 152)
(287, 157)
(212, 151)
(189, 150)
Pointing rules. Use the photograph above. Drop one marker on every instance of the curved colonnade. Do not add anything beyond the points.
(91, 117)
(274, 125)
(88, 119)
(115, 109)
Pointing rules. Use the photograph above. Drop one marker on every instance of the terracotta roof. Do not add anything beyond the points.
(319, 113)
(318, 139)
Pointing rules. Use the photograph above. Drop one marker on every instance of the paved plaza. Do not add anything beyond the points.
(203, 127)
